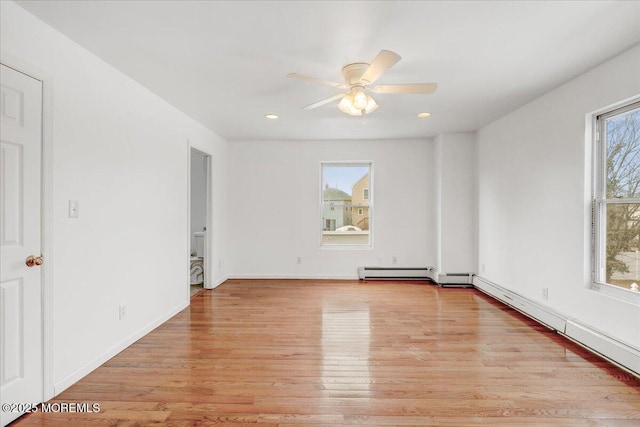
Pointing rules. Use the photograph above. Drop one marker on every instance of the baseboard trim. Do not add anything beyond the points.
(78, 374)
(618, 353)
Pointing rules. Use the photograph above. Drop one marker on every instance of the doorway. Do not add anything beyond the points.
(199, 221)
(21, 297)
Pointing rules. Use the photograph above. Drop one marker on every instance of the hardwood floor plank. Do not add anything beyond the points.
(319, 353)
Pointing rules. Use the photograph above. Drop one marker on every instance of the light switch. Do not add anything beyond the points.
(74, 207)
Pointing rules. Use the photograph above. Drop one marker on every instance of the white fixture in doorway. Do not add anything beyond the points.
(197, 259)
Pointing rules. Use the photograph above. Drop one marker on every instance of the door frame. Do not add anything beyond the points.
(208, 247)
(46, 215)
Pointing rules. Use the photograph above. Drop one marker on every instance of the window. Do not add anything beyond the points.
(616, 222)
(345, 186)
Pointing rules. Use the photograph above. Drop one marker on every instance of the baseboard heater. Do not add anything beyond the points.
(416, 273)
(621, 354)
(544, 315)
(391, 273)
(454, 280)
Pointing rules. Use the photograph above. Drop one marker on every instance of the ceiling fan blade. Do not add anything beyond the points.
(315, 80)
(324, 101)
(406, 88)
(381, 63)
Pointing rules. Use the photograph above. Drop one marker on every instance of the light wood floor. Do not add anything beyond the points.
(330, 353)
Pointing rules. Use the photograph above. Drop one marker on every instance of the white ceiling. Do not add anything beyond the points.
(225, 63)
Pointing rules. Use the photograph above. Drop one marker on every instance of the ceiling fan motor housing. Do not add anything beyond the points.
(353, 73)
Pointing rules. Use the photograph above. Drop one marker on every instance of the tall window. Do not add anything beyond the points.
(617, 198)
(345, 186)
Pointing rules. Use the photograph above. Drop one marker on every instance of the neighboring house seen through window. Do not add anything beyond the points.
(346, 186)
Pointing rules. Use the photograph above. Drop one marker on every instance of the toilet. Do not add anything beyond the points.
(197, 260)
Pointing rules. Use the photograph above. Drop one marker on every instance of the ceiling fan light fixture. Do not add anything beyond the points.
(359, 98)
(353, 107)
(358, 77)
(346, 106)
(372, 105)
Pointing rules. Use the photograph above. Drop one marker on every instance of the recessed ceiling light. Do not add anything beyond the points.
(271, 116)
(424, 115)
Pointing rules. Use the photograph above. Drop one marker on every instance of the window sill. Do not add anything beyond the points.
(622, 294)
(346, 247)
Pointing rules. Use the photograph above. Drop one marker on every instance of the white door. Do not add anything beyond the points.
(21, 378)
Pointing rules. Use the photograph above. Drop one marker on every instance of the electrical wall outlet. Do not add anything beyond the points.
(122, 311)
(298, 260)
(545, 293)
(394, 260)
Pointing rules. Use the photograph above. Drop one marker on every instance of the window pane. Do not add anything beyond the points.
(343, 188)
(623, 155)
(623, 248)
(342, 178)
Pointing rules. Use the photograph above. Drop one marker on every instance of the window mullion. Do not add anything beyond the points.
(621, 200)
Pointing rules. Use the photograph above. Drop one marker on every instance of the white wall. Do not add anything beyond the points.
(274, 207)
(533, 198)
(455, 154)
(123, 153)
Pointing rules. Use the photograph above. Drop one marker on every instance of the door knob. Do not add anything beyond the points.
(34, 260)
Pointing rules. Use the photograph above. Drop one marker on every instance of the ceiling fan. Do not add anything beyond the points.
(358, 78)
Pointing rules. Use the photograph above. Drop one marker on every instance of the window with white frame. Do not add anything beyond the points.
(345, 186)
(617, 198)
